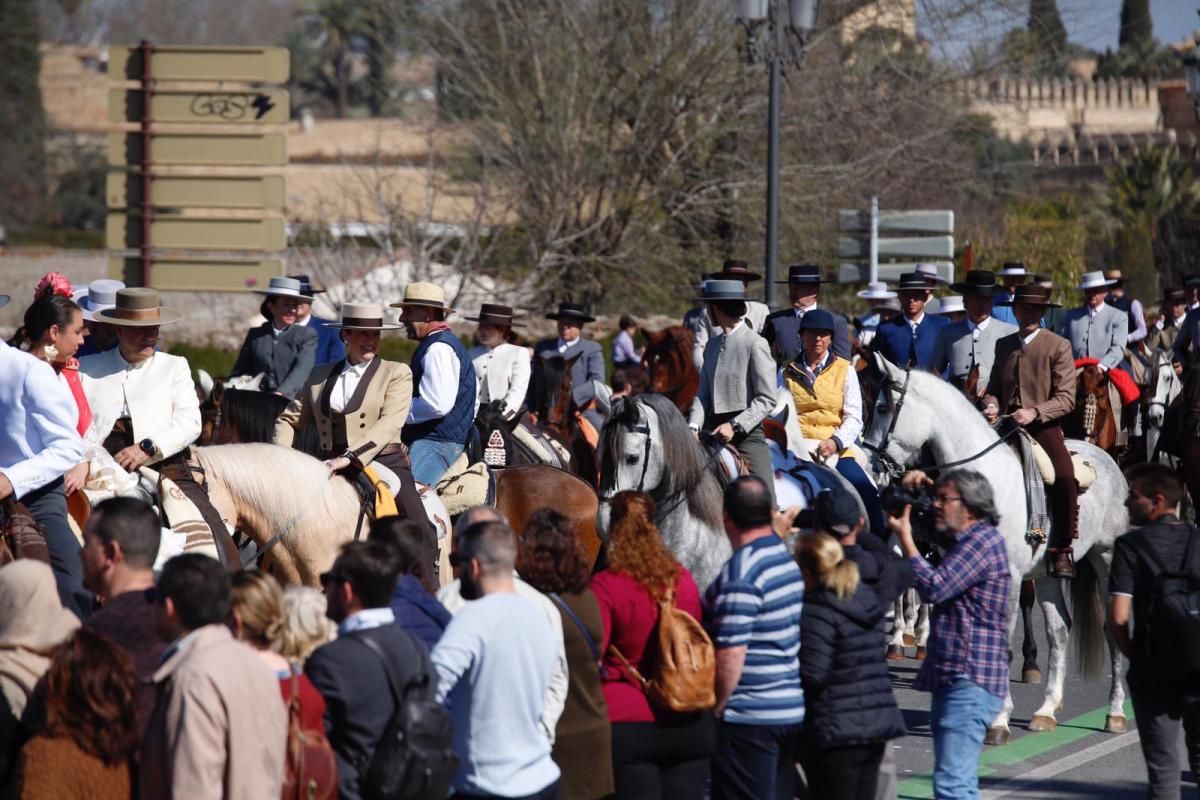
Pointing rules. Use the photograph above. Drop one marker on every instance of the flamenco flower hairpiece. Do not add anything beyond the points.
(53, 283)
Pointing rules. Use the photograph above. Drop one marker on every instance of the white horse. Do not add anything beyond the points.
(935, 415)
(1165, 386)
(265, 489)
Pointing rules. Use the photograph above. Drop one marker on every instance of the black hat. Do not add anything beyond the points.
(1174, 296)
(912, 280)
(803, 273)
(496, 315)
(306, 286)
(817, 320)
(735, 270)
(836, 511)
(978, 281)
(571, 311)
(1192, 280)
(1030, 293)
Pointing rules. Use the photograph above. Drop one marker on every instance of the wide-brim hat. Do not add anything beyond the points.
(803, 273)
(362, 317)
(495, 314)
(1032, 294)
(1191, 280)
(887, 304)
(137, 307)
(306, 286)
(1014, 269)
(571, 312)
(950, 304)
(1114, 275)
(424, 295)
(715, 291)
(735, 270)
(876, 291)
(1094, 280)
(816, 320)
(930, 271)
(1175, 296)
(285, 287)
(977, 281)
(98, 296)
(912, 281)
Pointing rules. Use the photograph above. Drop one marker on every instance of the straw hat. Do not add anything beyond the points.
(424, 295)
(362, 317)
(137, 307)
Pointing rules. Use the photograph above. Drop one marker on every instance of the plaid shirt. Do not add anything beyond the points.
(970, 592)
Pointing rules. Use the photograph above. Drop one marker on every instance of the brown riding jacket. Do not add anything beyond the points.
(1040, 376)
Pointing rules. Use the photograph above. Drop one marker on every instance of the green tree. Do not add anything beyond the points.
(323, 48)
(1041, 48)
(23, 156)
(1136, 24)
(1046, 24)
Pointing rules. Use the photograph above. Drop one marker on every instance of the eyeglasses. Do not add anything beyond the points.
(943, 499)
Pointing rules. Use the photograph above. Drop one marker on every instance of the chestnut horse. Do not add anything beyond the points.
(1094, 419)
(669, 366)
(554, 408)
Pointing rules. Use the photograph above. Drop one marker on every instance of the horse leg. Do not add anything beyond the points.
(895, 648)
(912, 604)
(998, 732)
(1030, 671)
(921, 630)
(1058, 632)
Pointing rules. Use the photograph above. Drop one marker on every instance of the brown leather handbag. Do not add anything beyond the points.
(311, 768)
(685, 664)
(20, 534)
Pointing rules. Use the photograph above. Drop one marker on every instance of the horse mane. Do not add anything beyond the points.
(547, 391)
(688, 471)
(252, 414)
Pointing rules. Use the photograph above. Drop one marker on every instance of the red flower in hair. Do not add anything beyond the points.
(53, 283)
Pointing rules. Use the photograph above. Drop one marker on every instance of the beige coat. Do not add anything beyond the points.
(219, 726)
(374, 416)
(1040, 376)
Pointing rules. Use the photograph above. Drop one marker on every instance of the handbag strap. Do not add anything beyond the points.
(665, 604)
(587, 637)
(421, 682)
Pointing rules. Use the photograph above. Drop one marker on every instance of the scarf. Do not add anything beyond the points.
(70, 373)
(435, 326)
(32, 623)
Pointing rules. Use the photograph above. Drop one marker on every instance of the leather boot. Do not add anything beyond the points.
(1060, 562)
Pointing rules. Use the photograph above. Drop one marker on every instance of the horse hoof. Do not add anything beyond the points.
(909, 640)
(1042, 724)
(895, 653)
(1031, 676)
(997, 736)
(1114, 724)
(921, 653)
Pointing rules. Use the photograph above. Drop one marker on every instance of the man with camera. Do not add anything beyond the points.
(967, 664)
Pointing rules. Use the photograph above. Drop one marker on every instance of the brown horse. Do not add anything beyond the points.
(669, 366)
(522, 490)
(557, 415)
(1094, 418)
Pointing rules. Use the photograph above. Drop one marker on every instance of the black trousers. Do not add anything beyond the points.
(551, 792)
(1158, 723)
(656, 761)
(843, 773)
(48, 505)
(755, 762)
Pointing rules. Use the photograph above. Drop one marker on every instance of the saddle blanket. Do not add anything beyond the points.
(466, 488)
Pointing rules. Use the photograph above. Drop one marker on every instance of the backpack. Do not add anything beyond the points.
(684, 673)
(1173, 624)
(414, 759)
(311, 768)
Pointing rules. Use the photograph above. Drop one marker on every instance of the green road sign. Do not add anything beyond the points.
(197, 274)
(262, 107)
(124, 190)
(190, 63)
(197, 149)
(124, 232)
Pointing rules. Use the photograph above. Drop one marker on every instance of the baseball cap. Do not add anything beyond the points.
(836, 512)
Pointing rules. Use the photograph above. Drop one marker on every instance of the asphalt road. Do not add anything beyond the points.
(1078, 760)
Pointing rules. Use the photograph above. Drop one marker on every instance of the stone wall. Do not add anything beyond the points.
(1026, 109)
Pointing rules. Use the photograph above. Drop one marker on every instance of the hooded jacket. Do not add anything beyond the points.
(847, 689)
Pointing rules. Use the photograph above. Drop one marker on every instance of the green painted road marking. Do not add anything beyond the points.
(1027, 747)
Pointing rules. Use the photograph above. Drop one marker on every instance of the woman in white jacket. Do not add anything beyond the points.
(502, 367)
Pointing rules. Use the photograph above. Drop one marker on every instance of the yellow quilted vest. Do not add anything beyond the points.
(819, 410)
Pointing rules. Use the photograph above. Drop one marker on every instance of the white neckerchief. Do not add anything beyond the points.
(347, 384)
(564, 345)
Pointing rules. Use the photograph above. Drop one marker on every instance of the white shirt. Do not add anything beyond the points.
(1094, 310)
(564, 345)
(914, 323)
(366, 619)
(439, 384)
(800, 312)
(129, 367)
(346, 385)
(38, 415)
(277, 332)
(1028, 340)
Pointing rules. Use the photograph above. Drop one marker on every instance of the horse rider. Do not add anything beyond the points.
(39, 444)
(907, 340)
(587, 373)
(1096, 329)
(443, 407)
(330, 349)
(964, 351)
(828, 403)
(866, 324)
(696, 320)
(1053, 318)
(933, 279)
(737, 382)
(1118, 299)
(99, 295)
(1186, 347)
(359, 406)
(280, 349)
(1033, 381)
(144, 404)
(502, 367)
(737, 270)
(782, 330)
(950, 307)
(1165, 331)
(1012, 275)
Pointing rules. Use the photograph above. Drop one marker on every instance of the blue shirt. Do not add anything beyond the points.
(756, 601)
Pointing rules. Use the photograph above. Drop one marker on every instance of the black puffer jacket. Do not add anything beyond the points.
(847, 691)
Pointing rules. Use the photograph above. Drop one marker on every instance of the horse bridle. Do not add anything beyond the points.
(889, 464)
(644, 429)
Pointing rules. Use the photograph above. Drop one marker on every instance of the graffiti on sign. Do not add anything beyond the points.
(231, 106)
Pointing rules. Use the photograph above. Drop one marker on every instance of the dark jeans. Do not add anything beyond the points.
(48, 506)
(1158, 728)
(754, 762)
(843, 773)
(654, 761)
(551, 792)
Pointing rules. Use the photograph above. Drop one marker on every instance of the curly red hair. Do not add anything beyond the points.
(635, 547)
(551, 558)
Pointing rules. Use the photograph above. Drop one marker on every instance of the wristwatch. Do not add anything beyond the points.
(147, 447)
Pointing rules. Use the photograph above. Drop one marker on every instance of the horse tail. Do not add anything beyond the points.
(1087, 602)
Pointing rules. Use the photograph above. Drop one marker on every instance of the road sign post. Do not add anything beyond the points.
(888, 243)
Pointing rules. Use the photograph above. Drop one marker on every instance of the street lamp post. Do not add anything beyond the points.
(1191, 71)
(777, 33)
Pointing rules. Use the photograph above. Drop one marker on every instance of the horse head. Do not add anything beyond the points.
(669, 366)
(890, 444)
(627, 452)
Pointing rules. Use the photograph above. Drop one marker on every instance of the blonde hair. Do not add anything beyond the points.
(257, 601)
(823, 562)
(305, 626)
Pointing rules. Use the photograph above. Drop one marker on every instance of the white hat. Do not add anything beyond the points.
(1013, 269)
(876, 291)
(425, 295)
(285, 287)
(949, 304)
(98, 296)
(929, 272)
(1095, 280)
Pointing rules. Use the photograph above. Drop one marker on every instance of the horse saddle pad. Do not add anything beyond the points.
(1085, 473)
(466, 487)
(542, 447)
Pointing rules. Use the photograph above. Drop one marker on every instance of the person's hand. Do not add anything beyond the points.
(75, 478)
(980, 390)
(991, 413)
(827, 448)
(6, 487)
(914, 480)
(131, 458)
(902, 526)
(1024, 416)
(335, 464)
(783, 522)
(723, 432)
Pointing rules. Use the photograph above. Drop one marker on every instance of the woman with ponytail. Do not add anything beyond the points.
(850, 710)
